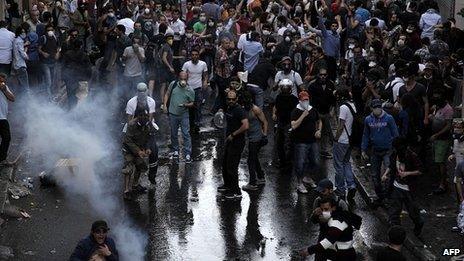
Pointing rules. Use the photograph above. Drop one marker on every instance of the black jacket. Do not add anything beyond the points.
(322, 99)
(87, 246)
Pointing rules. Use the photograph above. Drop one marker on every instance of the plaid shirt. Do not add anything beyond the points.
(222, 63)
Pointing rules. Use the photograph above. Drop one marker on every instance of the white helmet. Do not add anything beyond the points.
(285, 82)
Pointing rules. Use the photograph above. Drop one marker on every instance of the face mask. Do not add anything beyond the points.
(202, 19)
(304, 104)
(326, 215)
(266, 32)
(50, 33)
(211, 24)
(287, 39)
(400, 42)
(147, 11)
(189, 35)
(305, 2)
(350, 46)
(377, 111)
(298, 9)
(170, 41)
(372, 64)
(111, 15)
(183, 83)
(23, 35)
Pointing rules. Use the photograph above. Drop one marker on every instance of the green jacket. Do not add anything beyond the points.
(138, 137)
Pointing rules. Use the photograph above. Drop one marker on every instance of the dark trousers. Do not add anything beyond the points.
(230, 161)
(399, 198)
(71, 89)
(6, 138)
(283, 144)
(222, 84)
(195, 111)
(153, 161)
(254, 166)
(5, 68)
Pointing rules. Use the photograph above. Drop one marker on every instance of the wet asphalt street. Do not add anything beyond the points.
(183, 216)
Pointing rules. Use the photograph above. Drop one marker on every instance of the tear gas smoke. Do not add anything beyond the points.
(83, 135)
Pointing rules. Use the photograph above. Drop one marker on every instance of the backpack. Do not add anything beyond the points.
(357, 127)
(387, 92)
(154, 54)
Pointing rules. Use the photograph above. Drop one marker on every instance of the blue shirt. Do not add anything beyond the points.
(33, 50)
(19, 54)
(379, 132)
(330, 40)
(251, 51)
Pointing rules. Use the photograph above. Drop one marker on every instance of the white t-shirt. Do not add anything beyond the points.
(292, 76)
(128, 24)
(133, 64)
(3, 105)
(195, 73)
(345, 114)
(132, 105)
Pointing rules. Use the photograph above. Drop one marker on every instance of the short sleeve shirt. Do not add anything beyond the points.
(133, 65)
(292, 76)
(347, 116)
(234, 117)
(195, 73)
(132, 105)
(167, 49)
(305, 132)
(418, 92)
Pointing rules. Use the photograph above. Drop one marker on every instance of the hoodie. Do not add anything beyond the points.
(379, 132)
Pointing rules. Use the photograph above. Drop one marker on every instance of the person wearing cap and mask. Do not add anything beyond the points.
(137, 147)
(283, 48)
(49, 51)
(98, 243)
(306, 130)
(281, 113)
(287, 73)
(133, 58)
(379, 132)
(178, 99)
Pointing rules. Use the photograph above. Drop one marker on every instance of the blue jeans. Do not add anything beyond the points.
(258, 95)
(379, 156)
(306, 157)
(343, 172)
(183, 121)
(48, 70)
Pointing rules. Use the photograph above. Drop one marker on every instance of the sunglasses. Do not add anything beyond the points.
(231, 99)
(323, 74)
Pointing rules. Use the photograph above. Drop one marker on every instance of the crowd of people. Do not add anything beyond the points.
(329, 75)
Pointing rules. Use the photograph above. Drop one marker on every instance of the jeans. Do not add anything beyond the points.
(6, 138)
(378, 157)
(183, 121)
(306, 157)
(48, 70)
(326, 134)
(230, 161)
(399, 198)
(23, 78)
(258, 95)
(343, 172)
(254, 166)
(195, 112)
(283, 144)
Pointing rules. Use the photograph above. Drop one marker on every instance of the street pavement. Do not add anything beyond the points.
(183, 216)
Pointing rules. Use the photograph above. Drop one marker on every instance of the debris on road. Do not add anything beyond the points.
(18, 190)
(14, 212)
(6, 253)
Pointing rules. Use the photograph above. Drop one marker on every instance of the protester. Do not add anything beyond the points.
(97, 243)
(396, 237)
(5, 97)
(6, 43)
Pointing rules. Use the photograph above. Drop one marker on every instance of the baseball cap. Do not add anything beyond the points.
(324, 184)
(286, 58)
(142, 87)
(303, 96)
(376, 103)
(100, 224)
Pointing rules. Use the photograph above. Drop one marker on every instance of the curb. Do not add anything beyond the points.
(412, 244)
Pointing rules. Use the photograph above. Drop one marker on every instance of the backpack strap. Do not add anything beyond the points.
(353, 113)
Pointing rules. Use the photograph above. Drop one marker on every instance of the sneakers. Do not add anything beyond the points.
(174, 154)
(188, 159)
(222, 188)
(260, 182)
(310, 182)
(232, 196)
(250, 187)
(301, 188)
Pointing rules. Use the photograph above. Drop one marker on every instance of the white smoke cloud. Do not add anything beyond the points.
(84, 134)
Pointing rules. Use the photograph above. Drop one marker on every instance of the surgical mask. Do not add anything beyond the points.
(326, 215)
(298, 9)
(377, 111)
(287, 39)
(147, 11)
(350, 46)
(183, 83)
(111, 15)
(50, 33)
(170, 41)
(266, 32)
(58, 4)
(400, 42)
(304, 104)
(189, 35)
(372, 64)
(409, 31)
(211, 24)
(202, 19)
(23, 35)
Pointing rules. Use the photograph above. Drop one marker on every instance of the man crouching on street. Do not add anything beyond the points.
(96, 246)
(136, 143)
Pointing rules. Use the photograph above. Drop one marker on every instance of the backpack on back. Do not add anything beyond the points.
(357, 127)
